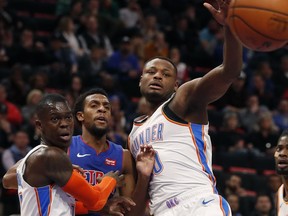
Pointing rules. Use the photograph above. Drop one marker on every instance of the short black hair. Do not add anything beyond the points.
(284, 133)
(163, 58)
(49, 99)
(79, 103)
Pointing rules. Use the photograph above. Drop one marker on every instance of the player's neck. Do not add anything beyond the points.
(285, 182)
(99, 144)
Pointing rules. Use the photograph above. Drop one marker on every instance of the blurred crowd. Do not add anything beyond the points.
(69, 46)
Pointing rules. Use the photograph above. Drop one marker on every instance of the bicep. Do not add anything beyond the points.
(205, 90)
(58, 167)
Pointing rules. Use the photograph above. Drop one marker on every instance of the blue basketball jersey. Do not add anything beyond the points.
(95, 165)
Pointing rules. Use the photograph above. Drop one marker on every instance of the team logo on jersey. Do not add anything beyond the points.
(110, 162)
(82, 155)
(205, 202)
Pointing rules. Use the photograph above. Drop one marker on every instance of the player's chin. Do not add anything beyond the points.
(282, 171)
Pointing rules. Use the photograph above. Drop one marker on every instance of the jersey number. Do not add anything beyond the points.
(158, 166)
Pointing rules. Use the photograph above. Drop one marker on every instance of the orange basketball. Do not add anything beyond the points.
(260, 25)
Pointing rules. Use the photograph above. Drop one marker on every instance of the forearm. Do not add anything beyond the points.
(140, 196)
(93, 197)
(232, 55)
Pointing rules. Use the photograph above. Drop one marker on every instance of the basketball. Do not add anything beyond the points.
(260, 25)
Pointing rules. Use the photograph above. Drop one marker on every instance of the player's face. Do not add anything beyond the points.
(281, 156)
(158, 81)
(57, 125)
(97, 114)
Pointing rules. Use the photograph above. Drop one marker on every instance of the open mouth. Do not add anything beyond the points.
(282, 163)
(101, 119)
(65, 136)
(155, 85)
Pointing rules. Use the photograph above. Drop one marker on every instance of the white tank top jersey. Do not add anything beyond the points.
(183, 164)
(282, 206)
(43, 201)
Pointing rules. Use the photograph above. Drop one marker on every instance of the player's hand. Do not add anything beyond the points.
(218, 9)
(145, 160)
(79, 169)
(118, 206)
(116, 175)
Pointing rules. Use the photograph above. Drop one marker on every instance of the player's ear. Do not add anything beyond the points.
(38, 124)
(80, 116)
(176, 86)
(140, 80)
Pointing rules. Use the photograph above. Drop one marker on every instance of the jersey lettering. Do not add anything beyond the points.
(92, 175)
(150, 134)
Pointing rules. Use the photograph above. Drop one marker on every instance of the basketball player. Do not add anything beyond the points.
(177, 128)
(97, 155)
(46, 179)
(281, 160)
(93, 152)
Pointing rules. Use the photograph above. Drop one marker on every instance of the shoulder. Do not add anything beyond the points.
(50, 155)
(140, 119)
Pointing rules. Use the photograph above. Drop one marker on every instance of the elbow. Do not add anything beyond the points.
(5, 182)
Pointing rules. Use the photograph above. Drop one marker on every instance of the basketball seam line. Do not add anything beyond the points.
(252, 28)
(265, 9)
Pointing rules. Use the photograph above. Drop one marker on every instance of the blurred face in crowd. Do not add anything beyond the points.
(234, 182)
(263, 204)
(233, 200)
(21, 139)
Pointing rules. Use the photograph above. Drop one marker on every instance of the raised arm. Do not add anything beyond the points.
(192, 98)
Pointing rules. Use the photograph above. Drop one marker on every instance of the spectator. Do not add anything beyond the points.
(12, 155)
(75, 89)
(93, 37)
(235, 97)
(125, 66)
(250, 114)
(32, 100)
(162, 15)
(32, 131)
(14, 116)
(131, 16)
(280, 116)
(230, 136)
(182, 67)
(16, 85)
(156, 47)
(281, 75)
(264, 137)
(6, 128)
(263, 206)
(234, 203)
(66, 29)
(234, 186)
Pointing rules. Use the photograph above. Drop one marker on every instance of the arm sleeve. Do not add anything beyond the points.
(93, 197)
(80, 208)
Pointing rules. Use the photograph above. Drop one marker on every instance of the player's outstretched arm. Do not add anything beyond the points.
(196, 94)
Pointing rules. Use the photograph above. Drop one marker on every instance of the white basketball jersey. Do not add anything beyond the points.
(183, 165)
(48, 200)
(282, 206)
